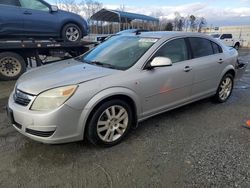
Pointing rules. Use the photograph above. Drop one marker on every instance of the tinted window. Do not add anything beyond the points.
(10, 2)
(34, 4)
(176, 50)
(226, 36)
(200, 47)
(217, 49)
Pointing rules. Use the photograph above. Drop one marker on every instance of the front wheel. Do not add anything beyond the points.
(225, 88)
(110, 123)
(71, 33)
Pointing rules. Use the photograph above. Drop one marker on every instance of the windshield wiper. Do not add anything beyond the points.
(103, 64)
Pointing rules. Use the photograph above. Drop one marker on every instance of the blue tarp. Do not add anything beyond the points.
(120, 16)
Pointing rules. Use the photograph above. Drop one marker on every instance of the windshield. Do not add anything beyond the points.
(215, 35)
(119, 52)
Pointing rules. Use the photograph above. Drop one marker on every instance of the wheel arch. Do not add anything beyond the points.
(228, 69)
(231, 71)
(71, 22)
(237, 43)
(124, 94)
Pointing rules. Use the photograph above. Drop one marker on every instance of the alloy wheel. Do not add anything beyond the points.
(225, 88)
(72, 34)
(112, 123)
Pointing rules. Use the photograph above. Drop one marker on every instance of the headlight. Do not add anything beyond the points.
(52, 99)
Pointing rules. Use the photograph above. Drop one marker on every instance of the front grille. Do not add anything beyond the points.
(22, 98)
(40, 133)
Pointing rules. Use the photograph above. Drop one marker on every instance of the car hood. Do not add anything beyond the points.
(60, 74)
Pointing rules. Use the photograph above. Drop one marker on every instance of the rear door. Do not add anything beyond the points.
(38, 18)
(207, 64)
(166, 87)
(11, 22)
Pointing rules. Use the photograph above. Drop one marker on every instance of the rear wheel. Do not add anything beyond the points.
(71, 33)
(110, 123)
(12, 66)
(225, 88)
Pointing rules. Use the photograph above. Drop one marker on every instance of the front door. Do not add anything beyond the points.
(166, 87)
(38, 19)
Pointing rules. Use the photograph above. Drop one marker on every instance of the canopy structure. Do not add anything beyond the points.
(120, 16)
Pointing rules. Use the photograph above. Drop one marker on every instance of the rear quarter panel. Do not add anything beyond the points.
(230, 61)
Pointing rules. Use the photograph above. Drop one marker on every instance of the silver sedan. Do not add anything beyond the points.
(125, 80)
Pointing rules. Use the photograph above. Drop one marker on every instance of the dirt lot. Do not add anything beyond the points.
(199, 145)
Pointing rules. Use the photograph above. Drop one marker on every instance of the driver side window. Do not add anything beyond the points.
(176, 50)
(34, 5)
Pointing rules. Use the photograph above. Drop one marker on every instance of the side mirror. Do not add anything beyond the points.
(160, 62)
(54, 8)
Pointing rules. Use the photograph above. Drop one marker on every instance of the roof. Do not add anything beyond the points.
(120, 16)
(171, 34)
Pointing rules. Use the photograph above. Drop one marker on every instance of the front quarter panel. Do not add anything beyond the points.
(67, 17)
(104, 94)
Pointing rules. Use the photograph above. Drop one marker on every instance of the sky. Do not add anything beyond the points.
(216, 12)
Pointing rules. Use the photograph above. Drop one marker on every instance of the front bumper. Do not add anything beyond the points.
(58, 126)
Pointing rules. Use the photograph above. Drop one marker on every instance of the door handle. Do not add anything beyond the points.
(220, 61)
(187, 69)
(27, 12)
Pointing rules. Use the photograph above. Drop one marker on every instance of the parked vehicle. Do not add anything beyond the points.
(127, 31)
(37, 18)
(228, 40)
(16, 56)
(127, 79)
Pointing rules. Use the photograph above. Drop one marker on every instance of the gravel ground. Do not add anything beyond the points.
(199, 145)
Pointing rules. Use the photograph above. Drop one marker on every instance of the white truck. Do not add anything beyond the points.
(228, 40)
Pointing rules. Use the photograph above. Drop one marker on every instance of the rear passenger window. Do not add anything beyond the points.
(176, 50)
(200, 47)
(10, 2)
(217, 49)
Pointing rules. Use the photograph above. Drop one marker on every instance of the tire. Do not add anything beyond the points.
(71, 33)
(101, 128)
(12, 66)
(237, 46)
(228, 83)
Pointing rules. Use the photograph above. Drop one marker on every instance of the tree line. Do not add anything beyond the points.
(179, 23)
(87, 8)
